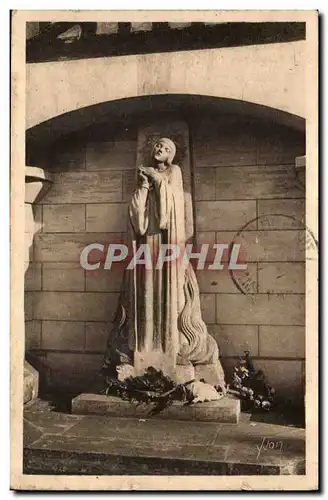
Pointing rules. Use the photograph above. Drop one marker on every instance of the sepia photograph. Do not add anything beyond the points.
(164, 246)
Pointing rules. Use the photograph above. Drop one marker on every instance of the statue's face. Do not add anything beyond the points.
(162, 152)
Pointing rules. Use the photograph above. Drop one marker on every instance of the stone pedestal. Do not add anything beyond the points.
(158, 359)
(180, 374)
(210, 374)
(37, 184)
(184, 373)
(31, 383)
(226, 409)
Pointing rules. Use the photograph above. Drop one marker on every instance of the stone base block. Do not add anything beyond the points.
(211, 374)
(31, 382)
(184, 373)
(226, 409)
(180, 375)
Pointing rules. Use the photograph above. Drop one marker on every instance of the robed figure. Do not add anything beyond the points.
(159, 320)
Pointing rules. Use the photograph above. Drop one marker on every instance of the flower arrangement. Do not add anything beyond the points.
(251, 386)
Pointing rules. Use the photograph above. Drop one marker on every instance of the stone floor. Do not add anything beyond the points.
(56, 442)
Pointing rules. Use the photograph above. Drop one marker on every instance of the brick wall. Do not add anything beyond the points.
(241, 171)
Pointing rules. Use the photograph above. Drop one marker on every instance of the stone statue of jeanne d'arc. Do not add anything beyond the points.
(159, 320)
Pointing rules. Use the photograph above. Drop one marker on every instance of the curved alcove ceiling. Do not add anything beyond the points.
(270, 75)
(127, 111)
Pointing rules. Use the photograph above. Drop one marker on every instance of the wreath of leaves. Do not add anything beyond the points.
(151, 388)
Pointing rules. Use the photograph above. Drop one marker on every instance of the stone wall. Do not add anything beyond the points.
(73, 308)
(242, 171)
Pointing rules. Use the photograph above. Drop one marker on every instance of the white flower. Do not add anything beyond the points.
(204, 392)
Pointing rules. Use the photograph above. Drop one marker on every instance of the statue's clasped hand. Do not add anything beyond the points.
(154, 174)
(143, 178)
(148, 176)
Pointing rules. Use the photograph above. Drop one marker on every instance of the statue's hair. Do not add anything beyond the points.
(172, 146)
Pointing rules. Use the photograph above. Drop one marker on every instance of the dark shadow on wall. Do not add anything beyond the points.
(125, 112)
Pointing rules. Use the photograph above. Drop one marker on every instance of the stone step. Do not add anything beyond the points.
(226, 410)
(61, 443)
(136, 462)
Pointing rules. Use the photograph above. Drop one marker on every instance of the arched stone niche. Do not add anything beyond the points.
(242, 159)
